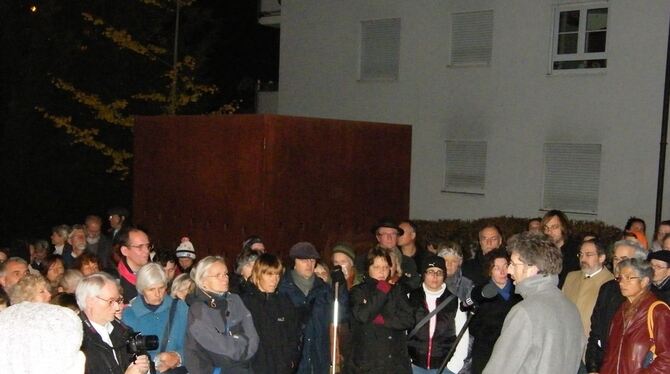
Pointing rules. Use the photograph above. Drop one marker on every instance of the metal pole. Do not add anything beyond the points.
(336, 312)
(664, 138)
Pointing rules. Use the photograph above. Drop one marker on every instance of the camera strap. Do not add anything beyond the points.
(168, 325)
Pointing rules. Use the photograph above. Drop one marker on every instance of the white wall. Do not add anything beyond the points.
(513, 104)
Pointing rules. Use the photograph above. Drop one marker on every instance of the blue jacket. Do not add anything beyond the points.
(315, 312)
(143, 320)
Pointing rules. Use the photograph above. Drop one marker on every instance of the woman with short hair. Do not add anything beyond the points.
(152, 312)
(275, 319)
(53, 271)
(629, 339)
(182, 287)
(221, 332)
(381, 315)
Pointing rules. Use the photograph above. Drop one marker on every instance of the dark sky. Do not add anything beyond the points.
(47, 180)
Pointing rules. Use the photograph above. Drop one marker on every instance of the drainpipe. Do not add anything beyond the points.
(664, 137)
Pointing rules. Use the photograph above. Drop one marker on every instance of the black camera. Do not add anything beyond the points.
(139, 344)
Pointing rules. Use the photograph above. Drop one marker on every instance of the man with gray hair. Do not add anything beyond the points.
(608, 302)
(104, 336)
(11, 272)
(543, 333)
(77, 240)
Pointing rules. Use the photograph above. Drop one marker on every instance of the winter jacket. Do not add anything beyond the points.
(99, 355)
(475, 269)
(662, 291)
(608, 302)
(541, 334)
(425, 351)
(487, 323)
(379, 321)
(220, 333)
(143, 320)
(628, 345)
(315, 313)
(276, 321)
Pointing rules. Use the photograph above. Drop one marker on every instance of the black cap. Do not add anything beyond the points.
(662, 255)
(433, 262)
(304, 250)
(387, 223)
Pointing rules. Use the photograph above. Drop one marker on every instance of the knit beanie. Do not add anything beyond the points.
(40, 338)
(345, 249)
(185, 249)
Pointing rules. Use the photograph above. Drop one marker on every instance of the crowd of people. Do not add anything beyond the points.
(541, 301)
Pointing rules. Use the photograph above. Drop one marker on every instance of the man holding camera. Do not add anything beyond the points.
(105, 338)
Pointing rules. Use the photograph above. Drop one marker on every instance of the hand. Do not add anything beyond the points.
(140, 366)
(167, 361)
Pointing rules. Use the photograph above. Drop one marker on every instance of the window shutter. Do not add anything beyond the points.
(465, 166)
(571, 177)
(380, 49)
(471, 37)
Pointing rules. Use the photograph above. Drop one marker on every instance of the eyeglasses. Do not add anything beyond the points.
(555, 226)
(436, 273)
(625, 278)
(519, 264)
(112, 301)
(220, 275)
(580, 255)
(658, 267)
(148, 246)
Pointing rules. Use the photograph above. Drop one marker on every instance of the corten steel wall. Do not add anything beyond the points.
(218, 179)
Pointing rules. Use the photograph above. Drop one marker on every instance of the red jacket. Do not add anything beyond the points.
(629, 343)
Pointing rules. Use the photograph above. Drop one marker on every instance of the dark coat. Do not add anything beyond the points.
(99, 355)
(475, 269)
(662, 292)
(379, 348)
(608, 302)
(276, 321)
(219, 336)
(424, 351)
(487, 323)
(315, 315)
(570, 250)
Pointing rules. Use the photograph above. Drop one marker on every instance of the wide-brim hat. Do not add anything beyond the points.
(387, 223)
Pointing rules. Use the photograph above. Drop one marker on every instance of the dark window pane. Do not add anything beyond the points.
(595, 41)
(596, 19)
(580, 64)
(569, 21)
(567, 44)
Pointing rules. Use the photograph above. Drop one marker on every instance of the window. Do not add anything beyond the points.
(471, 38)
(380, 49)
(580, 37)
(465, 167)
(571, 177)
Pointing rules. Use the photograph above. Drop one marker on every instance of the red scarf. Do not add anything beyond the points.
(126, 273)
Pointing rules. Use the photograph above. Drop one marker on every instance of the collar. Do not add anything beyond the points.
(106, 328)
(138, 305)
(594, 274)
(663, 283)
(536, 283)
(437, 293)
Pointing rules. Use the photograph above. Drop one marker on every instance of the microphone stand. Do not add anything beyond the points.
(453, 348)
(336, 312)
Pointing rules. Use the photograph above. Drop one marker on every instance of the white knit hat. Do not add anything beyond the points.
(186, 249)
(40, 338)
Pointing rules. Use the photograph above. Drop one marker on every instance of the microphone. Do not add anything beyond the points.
(489, 291)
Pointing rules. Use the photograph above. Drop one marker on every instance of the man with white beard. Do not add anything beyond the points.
(77, 239)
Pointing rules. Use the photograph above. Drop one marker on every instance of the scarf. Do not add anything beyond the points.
(505, 292)
(126, 273)
(305, 285)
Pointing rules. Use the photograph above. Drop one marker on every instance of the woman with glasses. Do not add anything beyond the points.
(488, 320)
(275, 319)
(432, 338)
(380, 315)
(220, 333)
(155, 313)
(629, 339)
